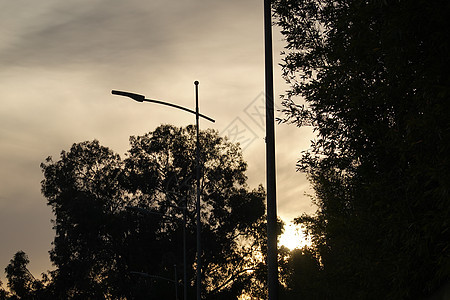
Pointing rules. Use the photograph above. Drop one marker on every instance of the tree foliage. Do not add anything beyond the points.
(119, 219)
(301, 276)
(21, 283)
(3, 293)
(374, 76)
(82, 189)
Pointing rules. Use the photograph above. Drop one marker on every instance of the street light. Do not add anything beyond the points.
(141, 98)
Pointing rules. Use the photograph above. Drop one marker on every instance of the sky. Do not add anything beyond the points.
(59, 61)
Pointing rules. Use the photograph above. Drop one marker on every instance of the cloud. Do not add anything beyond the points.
(81, 32)
(59, 60)
(73, 33)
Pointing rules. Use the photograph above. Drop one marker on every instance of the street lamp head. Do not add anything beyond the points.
(135, 97)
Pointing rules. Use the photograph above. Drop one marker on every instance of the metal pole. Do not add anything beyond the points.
(184, 252)
(272, 255)
(197, 208)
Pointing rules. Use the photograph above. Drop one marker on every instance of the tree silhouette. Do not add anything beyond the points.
(375, 78)
(3, 293)
(21, 283)
(302, 276)
(119, 223)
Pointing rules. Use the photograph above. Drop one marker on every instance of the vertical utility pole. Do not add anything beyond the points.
(272, 255)
(197, 207)
(184, 251)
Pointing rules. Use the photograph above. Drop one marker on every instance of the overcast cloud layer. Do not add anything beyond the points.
(59, 60)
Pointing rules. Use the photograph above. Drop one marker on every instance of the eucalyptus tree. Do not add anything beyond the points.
(119, 222)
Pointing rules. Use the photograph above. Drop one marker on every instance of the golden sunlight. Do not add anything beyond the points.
(293, 237)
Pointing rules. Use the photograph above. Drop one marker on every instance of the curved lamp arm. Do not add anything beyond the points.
(141, 98)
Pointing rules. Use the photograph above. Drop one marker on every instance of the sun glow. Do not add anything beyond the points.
(293, 237)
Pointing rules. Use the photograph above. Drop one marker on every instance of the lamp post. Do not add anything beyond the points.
(272, 251)
(141, 98)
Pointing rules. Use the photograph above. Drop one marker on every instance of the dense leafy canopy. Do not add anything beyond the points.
(374, 76)
(20, 281)
(119, 223)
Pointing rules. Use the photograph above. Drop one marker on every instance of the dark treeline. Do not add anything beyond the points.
(374, 78)
(119, 222)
